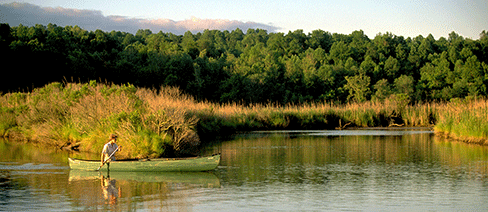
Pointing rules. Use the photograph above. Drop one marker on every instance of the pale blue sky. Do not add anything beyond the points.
(400, 17)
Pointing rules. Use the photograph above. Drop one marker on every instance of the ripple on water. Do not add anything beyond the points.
(30, 168)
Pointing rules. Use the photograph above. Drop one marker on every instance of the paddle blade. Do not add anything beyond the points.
(100, 167)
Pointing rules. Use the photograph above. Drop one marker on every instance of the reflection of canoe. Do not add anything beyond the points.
(206, 179)
(152, 165)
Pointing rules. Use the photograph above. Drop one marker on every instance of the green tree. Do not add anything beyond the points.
(276, 43)
(236, 89)
(179, 71)
(404, 85)
(358, 87)
(295, 42)
(359, 44)
(206, 43)
(253, 37)
(435, 76)
(326, 84)
(143, 34)
(189, 45)
(426, 47)
(415, 58)
(470, 77)
(294, 77)
(392, 68)
(319, 39)
(382, 90)
(484, 46)
(339, 52)
(385, 46)
(234, 40)
(209, 74)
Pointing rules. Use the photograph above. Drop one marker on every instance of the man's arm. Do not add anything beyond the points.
(102, 156)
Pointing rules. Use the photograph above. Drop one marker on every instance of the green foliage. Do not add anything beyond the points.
(278, 120)
(358, 86)
(149, 144)
(251, 67)
(404, 85)
(8, 122)
(382, 90)
(84, 114)
(255, 67)
(464, 119)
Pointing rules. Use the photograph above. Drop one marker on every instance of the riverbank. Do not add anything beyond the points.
(154, 123)
(317, 116)
(464, 120)
(82, 116)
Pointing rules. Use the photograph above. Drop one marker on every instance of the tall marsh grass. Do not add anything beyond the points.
(83, 116)
(464, 119)
(152, 123)
(218, 119)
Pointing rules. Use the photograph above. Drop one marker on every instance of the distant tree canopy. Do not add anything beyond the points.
(251, 67)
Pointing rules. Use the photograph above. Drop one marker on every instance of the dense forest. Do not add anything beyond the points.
(250, 67)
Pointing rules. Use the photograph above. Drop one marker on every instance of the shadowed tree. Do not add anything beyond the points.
(382, 90)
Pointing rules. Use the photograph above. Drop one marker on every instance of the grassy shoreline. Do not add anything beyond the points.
(465, 120)
(166, 122)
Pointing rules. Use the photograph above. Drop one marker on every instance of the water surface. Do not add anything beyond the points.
(358, 170)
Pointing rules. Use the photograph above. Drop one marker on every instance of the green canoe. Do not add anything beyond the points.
(194, 164)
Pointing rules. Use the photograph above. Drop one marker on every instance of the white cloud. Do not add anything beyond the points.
(29, 15)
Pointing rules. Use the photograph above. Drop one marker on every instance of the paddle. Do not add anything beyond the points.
(109, 157)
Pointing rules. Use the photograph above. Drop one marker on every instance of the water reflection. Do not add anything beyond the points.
(362, 170)
(265, 171)
(110, 190)
(135, 190)
(40, 180)
(332, 133)
(203, 179)
(5, 180)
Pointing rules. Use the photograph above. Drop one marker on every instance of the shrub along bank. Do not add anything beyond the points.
(82, 116)
(153, 123)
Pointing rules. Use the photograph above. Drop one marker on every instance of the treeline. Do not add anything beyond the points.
(251, 67)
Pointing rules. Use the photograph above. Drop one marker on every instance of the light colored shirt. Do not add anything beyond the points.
(108, 149)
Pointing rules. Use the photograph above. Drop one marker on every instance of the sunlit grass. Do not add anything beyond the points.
(150, 121)
(85, 115)
(464, 119)
(314, 116)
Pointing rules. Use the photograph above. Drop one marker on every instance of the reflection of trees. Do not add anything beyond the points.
(458, 154)
(24, 152)
(6, 183)
(304, 159)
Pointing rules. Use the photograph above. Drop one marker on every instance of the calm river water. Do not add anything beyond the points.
(349, 170)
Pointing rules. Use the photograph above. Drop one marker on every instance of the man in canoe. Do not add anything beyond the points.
(109, 148)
